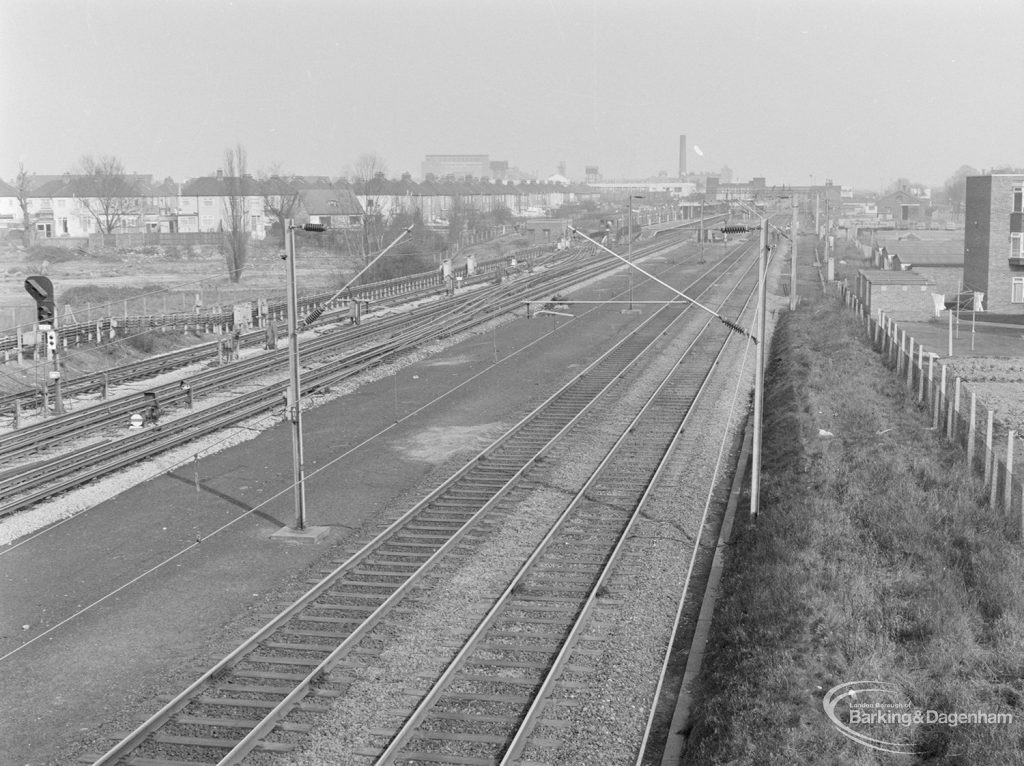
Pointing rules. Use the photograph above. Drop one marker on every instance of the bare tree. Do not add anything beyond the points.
(458, 218)
(369, 176)
(280, 198)
(237, 188)
(21, 185)
(956, 188)
(106, 191)
(900, 184)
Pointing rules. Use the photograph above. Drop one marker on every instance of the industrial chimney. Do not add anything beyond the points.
(682, 156)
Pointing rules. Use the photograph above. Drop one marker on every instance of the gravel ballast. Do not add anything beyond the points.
(605, 700)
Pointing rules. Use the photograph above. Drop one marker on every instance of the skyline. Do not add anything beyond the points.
(861, 92)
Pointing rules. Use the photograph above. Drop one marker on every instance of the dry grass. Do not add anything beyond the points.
(875, 557)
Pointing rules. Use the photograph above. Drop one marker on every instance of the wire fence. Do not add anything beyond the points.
(956, 410)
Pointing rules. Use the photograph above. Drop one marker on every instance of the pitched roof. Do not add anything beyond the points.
(277, 186)
(928, 252)
(55, 187)
(903, 198)
(36, 180)
(6, 190)
(211, 186)
(880, 277)
(330, 202)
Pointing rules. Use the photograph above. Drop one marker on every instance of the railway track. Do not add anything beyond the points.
(373, 292)
(486, 704)
(30, 483)
(235, 707)
(404, 290)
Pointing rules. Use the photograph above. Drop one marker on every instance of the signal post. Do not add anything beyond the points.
(41, 290)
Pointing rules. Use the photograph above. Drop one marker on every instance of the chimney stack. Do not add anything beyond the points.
(682, 156)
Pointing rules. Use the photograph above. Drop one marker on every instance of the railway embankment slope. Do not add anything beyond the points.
(875, 558)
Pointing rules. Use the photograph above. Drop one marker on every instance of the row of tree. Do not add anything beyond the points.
(956, 184)
(110, 194)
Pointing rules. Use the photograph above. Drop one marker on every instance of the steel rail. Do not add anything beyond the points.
(533, 715)
(161, 717)
(104, 458)
(54, 471)
(381, 294)
(407, 733)
(36, 436)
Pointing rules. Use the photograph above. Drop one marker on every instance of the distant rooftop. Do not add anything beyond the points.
(880, 277)
(941, 252)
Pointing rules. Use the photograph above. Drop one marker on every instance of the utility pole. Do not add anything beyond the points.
(701, 258)
(817, 215)
(294, 386)
(300, 532)
(762, 268)
(793, 236)
(830, 269)
(629, 253)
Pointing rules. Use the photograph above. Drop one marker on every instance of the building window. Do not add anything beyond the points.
(1017, 245)
(1017, 290)
(206, 223)
(207, 201)
(1018, 199)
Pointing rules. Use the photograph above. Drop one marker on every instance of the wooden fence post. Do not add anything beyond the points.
(920, 373)
(993, 493)
(971, 434)
(931, 379)
(1008, 486)
(940, 400)
(988, 447)
(910, 365)
(956, 410)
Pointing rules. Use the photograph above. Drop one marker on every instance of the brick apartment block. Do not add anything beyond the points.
(994, 241)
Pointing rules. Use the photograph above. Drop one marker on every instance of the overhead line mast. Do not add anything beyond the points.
(727, 322)
(316, 313)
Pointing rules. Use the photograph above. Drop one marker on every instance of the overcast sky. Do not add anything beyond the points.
(861, 91)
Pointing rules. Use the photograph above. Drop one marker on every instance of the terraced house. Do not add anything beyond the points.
(79, 206)
(209, 203)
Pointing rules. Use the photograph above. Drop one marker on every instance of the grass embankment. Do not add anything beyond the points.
(875, 557)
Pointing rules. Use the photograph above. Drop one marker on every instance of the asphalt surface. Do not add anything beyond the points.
(145, 608)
